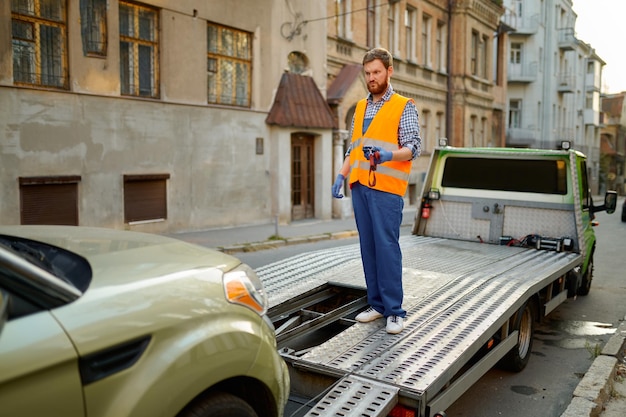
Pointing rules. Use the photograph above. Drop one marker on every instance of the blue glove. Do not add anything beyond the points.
(337, 186)
(367, 151)
(383, 155)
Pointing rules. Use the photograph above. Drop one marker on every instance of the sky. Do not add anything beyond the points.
(598, 24)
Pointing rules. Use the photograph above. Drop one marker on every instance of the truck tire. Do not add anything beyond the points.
(218, 404)
(524, 323)
(573, 280)
(585, 284)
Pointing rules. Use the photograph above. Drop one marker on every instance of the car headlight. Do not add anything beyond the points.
(243, 286)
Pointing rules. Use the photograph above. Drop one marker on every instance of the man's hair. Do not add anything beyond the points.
(379, 53)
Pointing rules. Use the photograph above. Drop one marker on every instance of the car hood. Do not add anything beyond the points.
(121, 257)
(141, 283)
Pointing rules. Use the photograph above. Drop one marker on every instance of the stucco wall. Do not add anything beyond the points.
(216, 177)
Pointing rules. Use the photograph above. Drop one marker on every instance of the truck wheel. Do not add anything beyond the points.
(585, 284)
(518, 357)
(573, 279)
(219, 404)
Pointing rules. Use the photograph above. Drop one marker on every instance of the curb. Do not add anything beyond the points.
(273, 244)
(594, 390)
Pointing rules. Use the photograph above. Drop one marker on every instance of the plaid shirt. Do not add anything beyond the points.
(409, 129)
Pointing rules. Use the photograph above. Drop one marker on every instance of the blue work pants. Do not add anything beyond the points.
(378, 216)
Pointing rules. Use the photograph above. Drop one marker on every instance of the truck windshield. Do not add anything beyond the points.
(531, 176)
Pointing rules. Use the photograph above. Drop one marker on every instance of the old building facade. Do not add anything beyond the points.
(450, 57)
(167, 116)
(613, 143)
(152, 115)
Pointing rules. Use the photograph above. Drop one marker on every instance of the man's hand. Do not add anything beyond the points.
(380, 155)
(337, 186)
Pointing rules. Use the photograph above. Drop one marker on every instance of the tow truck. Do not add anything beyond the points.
(501, 238)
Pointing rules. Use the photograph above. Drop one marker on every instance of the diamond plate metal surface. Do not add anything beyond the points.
(451, 219)
(457, 294)
(522, 221)
(355, 396)
(301, 273)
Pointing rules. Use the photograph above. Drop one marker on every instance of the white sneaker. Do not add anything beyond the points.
(368, 315)
(395, 324)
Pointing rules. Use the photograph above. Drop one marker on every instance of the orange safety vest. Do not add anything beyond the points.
(392, 176)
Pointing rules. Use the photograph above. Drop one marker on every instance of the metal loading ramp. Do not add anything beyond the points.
(453, 308)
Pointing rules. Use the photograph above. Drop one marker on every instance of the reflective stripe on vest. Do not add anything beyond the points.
(392, 176)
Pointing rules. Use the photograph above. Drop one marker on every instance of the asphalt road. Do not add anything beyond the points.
(565, 343)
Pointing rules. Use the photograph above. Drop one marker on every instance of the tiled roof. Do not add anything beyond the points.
(299, 103)
(342, 83)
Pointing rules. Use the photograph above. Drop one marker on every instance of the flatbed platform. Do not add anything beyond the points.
(458, 294)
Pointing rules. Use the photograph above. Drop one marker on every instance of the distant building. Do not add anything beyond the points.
(451, 62)
(613, 143)
(554, 81)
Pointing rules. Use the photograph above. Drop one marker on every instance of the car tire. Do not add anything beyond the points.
(518, 357)
(219, 404)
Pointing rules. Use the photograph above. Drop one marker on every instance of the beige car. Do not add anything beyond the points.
(99, 322)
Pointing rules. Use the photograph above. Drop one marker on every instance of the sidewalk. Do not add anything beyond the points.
(601, 392)
(270, 235)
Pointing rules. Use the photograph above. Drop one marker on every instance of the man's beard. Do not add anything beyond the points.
(377, 88)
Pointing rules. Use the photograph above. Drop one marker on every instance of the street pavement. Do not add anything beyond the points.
(600, 393)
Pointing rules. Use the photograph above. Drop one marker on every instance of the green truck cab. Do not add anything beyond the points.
(547, 193)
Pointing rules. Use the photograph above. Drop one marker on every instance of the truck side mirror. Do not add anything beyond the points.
(610, 201)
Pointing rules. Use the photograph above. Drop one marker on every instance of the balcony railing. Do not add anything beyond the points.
(567, 83)
(567, 39)
(522, 25)
(522, 73)
(522, 137)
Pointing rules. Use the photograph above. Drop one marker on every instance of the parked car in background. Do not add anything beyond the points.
(624, 211)
(99, 322)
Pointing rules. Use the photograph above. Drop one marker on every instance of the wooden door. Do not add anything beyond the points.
(302, 164)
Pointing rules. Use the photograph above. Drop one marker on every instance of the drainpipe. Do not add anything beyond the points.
(451, 140)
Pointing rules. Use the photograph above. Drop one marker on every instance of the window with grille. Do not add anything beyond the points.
(409, 33)
(515, 56)
(39, 37)
(139, 50)
(426, 20)
(440, 52)
(391, 26)
(93, 22)
(49, 200)
(371, 23)
(145, 197)
(515, 113)
(229, 66)
(424, 132)
(474, 54)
